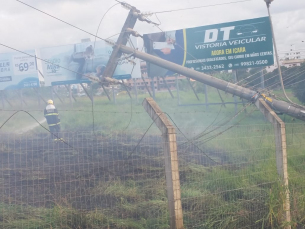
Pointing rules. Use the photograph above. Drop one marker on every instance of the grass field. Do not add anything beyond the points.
(227, 180)
(126, 113)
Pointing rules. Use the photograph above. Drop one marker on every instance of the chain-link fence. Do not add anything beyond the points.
(228, 179)
(227, 175)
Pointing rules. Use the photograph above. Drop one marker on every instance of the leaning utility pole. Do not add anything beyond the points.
(122, 40)
(242, 92)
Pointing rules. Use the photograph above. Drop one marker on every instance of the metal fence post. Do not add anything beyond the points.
(281, 151)
(171, 162)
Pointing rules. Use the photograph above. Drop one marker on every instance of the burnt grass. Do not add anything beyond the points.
(37, 171)
(40, 172)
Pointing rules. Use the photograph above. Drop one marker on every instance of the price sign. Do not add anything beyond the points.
(24, 64)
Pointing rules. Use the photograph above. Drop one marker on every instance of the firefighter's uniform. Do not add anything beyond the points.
(51, 114)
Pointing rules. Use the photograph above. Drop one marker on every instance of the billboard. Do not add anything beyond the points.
(67, 64)
(18, 70)
(226, 46)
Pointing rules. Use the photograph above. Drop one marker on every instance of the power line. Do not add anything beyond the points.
(264, 79)
(230, 127)
(288, 77)
(190, 141)
(249, 77)
(59, 19)
(198, 7)
(92, 102)
(224, 123)
(53, 135)
(285, 79)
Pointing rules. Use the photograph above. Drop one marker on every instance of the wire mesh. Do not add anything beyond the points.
(228, 180)
(296, 163)
(91, 181)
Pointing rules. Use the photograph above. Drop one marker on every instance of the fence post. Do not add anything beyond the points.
(171, 162)
(281, 151)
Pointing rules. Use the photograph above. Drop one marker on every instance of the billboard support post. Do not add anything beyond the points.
(70, 95)
(52, 93)
(6, 99)
(113, 95)
(152, 84)
(168, 88)
(223, 102)
(21, 97)
(244, 105)
(147, 88)
(87, 93)
(136, 90)
(126, 88)
(206, 97)
(177, 88)
(20, 93)
(39, 95)
(92, 94)
(235, 99)
(108, 96)
(2, 99)
(56, 95)
(67, 87)
(262, 79)
(189, 81)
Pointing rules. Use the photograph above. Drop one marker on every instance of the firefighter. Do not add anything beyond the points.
(51, 114)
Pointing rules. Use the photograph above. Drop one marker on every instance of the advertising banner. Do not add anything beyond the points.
(226, 46)
(68, 64)
(18, 70)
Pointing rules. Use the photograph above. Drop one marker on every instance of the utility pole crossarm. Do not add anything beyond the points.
(223, 85)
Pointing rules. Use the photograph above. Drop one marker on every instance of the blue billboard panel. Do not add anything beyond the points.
(226, 46)
(18, 70)
(70, 63)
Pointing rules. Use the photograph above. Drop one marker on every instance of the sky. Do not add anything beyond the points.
(25, 28)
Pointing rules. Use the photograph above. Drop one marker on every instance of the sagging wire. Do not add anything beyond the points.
(230, 127)
(190, 141)
(204, 133)
(198, 7)
(59, 19)
(92, 101)
(133, 151)
(131, 108)
(53, 135)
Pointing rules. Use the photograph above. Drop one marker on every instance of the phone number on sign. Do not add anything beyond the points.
(30, 84)
(251, 63)
(212, 67)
